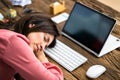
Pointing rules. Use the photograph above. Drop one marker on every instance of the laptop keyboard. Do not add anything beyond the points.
(65, 56)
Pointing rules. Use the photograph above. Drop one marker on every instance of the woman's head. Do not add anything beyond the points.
(34, 23)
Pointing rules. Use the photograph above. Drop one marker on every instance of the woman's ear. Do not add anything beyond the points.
(31, 25)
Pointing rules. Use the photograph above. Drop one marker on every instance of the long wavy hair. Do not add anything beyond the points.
(42, 23)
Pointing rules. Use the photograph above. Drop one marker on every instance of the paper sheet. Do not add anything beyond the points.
(60, 18)
(21, 2)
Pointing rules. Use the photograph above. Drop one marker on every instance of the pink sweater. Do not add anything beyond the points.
(17, 56)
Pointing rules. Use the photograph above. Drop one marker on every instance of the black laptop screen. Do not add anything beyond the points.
(88, 27)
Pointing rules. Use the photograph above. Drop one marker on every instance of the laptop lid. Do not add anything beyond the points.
(88, 28)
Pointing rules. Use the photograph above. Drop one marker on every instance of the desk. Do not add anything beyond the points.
(111, 61)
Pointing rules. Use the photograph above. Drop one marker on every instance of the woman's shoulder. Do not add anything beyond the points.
(7, 34)
(5, 31)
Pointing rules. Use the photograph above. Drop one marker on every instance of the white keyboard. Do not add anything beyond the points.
(65, 56)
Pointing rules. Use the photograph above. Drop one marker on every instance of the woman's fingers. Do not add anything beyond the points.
(36, 46)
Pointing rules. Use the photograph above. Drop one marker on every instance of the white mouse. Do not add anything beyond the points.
(95, 71)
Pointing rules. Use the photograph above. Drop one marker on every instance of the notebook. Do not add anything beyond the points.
(91, 30)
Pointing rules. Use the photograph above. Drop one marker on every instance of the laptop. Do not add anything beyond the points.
(91, 30)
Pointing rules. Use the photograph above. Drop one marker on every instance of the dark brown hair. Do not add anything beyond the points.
(42, 24)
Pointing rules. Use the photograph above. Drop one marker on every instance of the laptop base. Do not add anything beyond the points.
(111, 44)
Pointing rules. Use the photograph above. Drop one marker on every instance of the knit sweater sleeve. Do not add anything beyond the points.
(20, 57)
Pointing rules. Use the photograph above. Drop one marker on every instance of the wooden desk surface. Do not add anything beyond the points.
(111, 61)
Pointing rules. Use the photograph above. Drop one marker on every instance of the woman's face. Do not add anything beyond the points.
(39, 40)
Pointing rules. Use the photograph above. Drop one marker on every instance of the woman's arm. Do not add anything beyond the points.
(21, 57)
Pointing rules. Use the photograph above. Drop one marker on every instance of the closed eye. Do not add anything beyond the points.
(46, 39)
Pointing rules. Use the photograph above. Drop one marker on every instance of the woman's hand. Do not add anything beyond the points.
(41, 56)
(39, 52)
(35, 47)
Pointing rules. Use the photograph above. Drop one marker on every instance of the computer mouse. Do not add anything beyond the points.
(95, 71)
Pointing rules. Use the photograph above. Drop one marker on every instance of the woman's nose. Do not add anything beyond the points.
(44, 46)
